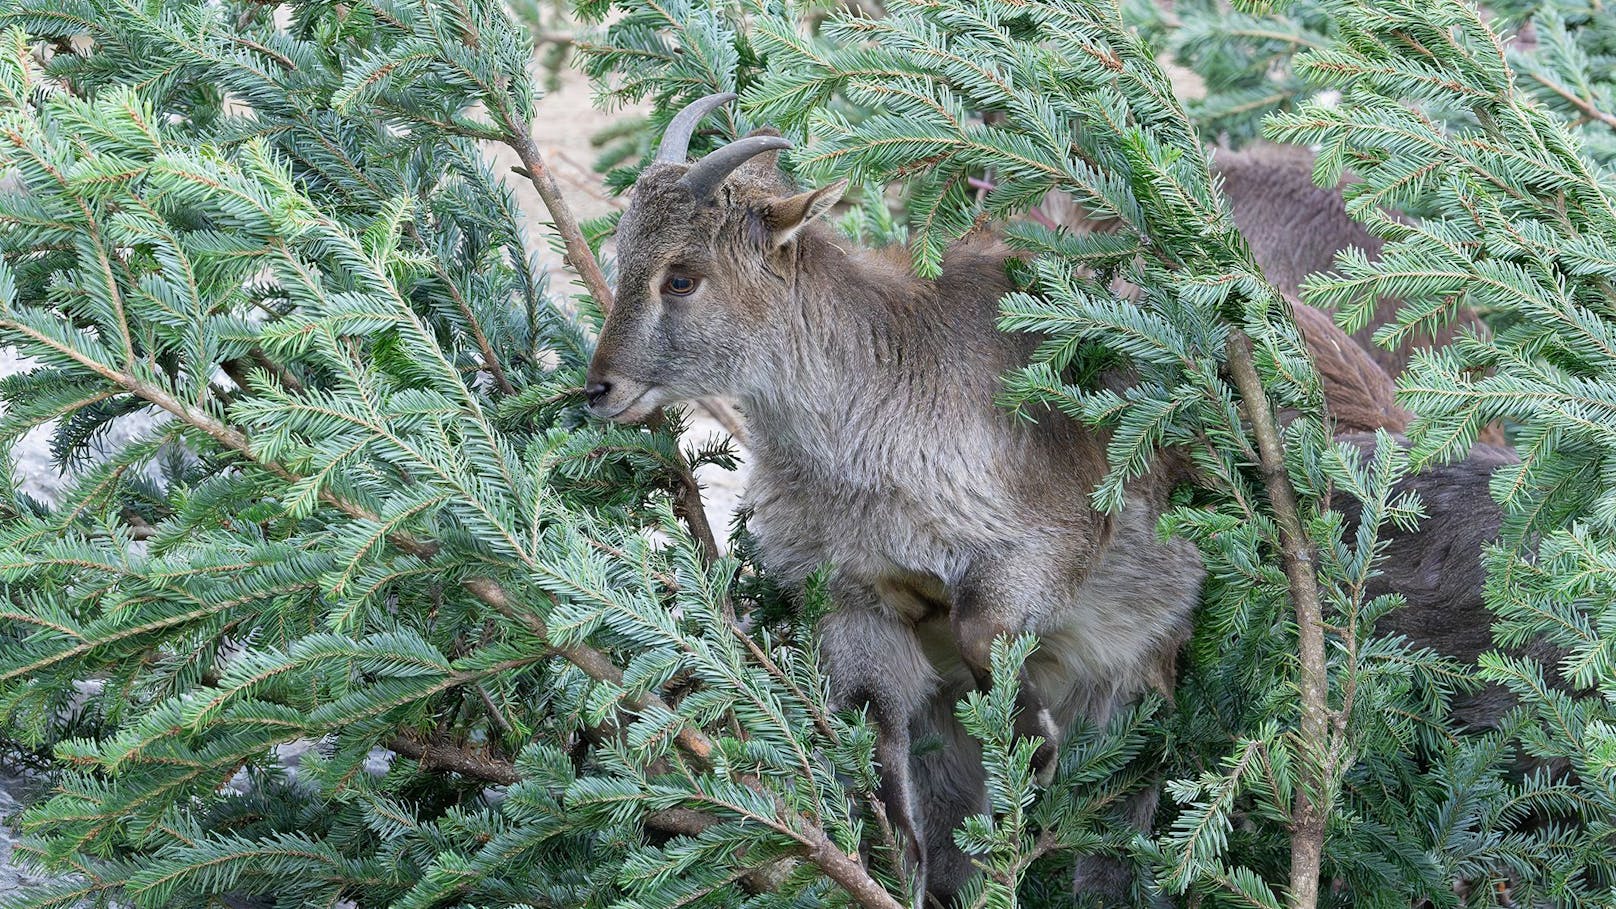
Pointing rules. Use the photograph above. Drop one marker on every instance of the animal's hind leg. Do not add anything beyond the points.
(872, 659)
(950, 781)
(994, 602)
(1107, 880)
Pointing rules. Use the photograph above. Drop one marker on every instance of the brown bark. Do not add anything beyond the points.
(460, 759)
(578, 256)
(1307, 815)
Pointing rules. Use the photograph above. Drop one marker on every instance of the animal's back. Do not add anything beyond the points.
(1295, 228)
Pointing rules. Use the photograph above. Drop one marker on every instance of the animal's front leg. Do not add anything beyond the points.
(873, 660)
(989, 604)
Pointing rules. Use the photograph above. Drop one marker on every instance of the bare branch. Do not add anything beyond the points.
(471, 762)
(1307, 815)
(1580, 103)
(726, 416)
(578, 255)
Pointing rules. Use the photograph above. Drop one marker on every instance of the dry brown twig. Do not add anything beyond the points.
(582, 179)
(1580, 103)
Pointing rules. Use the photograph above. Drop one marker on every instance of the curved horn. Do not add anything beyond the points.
(676, 140)
(705, 176)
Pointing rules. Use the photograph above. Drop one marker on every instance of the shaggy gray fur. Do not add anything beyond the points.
(947, 523)
(878, 450)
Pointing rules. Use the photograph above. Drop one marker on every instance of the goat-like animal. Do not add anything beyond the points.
(878, 449)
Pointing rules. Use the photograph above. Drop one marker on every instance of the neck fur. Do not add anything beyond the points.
(861, 353)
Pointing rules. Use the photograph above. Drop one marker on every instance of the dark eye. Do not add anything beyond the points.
(680, 285)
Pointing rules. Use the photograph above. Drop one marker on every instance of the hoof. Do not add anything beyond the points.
(1046, 759)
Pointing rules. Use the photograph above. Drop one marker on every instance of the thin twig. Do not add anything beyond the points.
(458, 758)
(480, 765)
(726, 416)
(566, 39)
(1035, 213)
(578, 255)
(490, 359)
(1308, 813)
(497, 715)
(1577, 101)
(585, 182)
(687, 500)
(282, 374)
(662, 577)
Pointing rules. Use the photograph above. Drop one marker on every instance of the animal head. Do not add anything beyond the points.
(705, 271)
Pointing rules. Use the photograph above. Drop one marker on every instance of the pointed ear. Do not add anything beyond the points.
(785, 217)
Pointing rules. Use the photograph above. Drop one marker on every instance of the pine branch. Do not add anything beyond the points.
(1309, 813)
(479, 764)
(490, 358)
(849, 873)
(388, 463)
(460, 759)
(593, 662)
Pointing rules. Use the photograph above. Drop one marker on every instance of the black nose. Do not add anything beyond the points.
(597, 390)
